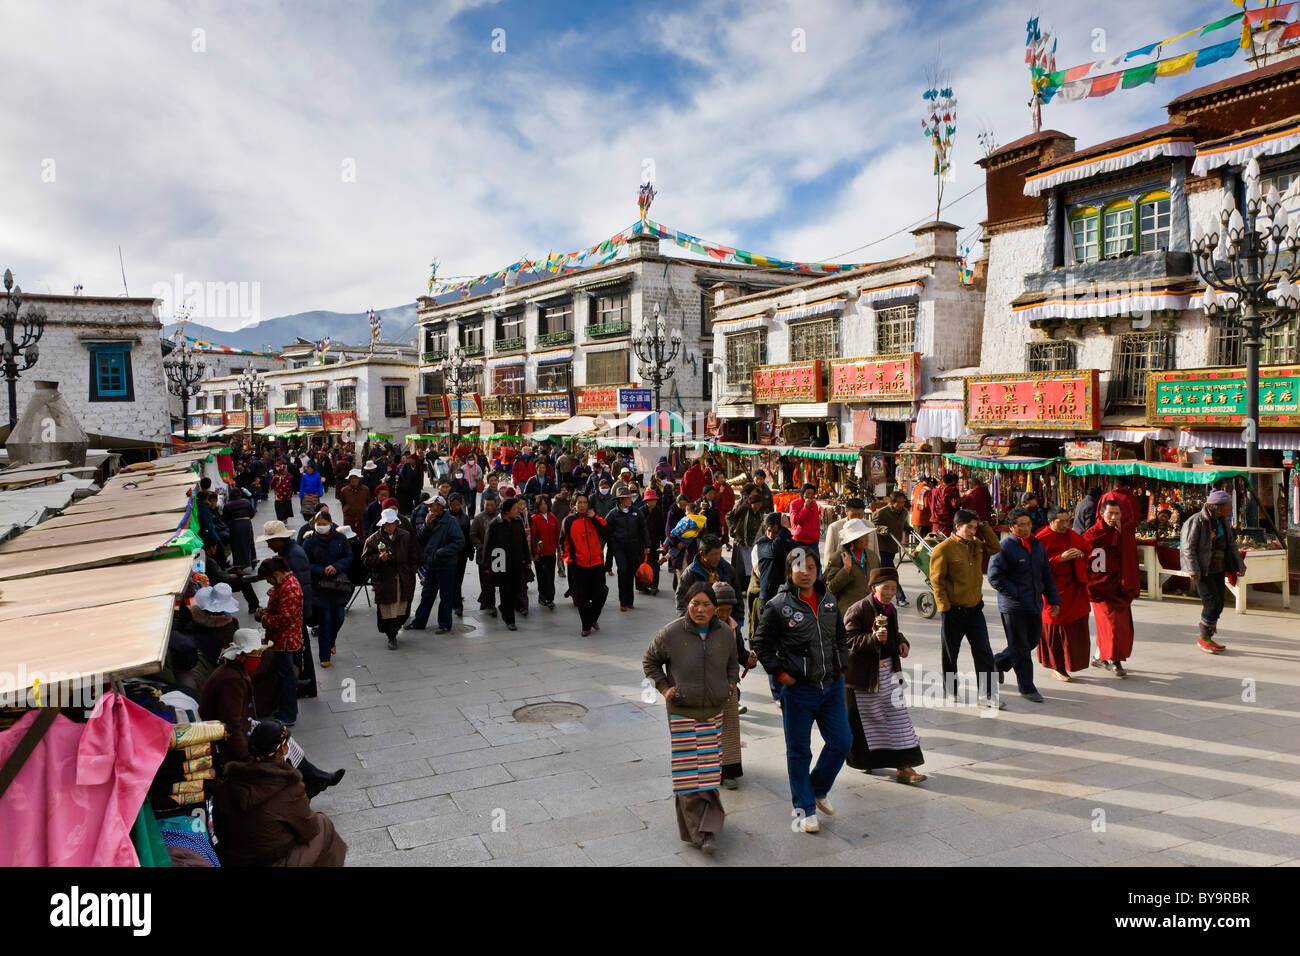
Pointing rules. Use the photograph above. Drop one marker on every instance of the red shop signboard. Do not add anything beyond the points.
(1066, 399)
(340, 421)
(797, 382)
(595, 399)
(889, 378)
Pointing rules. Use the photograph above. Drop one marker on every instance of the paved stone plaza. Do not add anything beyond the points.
(1191, 760)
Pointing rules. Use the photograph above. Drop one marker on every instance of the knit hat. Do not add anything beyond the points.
(266, 738)
(881, 575)
(724, 593)
(388, 503)
(1219, 497)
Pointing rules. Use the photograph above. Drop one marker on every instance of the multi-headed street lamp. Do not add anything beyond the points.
(18, 348)
(458, 374)
(184, 373)
(1238, 259)
(252, 385)
(655, 350)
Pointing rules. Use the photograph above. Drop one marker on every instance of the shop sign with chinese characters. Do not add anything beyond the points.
(1217, 396)
(796, 382)
(499, 408)
(548, 406)
(1065, 399)
(594, 399)
(885, 378)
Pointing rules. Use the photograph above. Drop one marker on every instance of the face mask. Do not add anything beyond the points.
(322, 529)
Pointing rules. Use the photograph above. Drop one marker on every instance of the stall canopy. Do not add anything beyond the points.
(1005, 463)
(577, 425)
(1194, 475)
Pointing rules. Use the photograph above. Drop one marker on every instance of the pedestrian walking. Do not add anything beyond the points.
(1066, 639)
(282, 490)
(921, 517)
(1113, 584)
(545, 529)
(625, 534)
(891, 523)
(848, 571)
(392, 556)
(1022, 575)
(745, 525)
(507, 544)
(282, 620)
(582, 540)
(945, 501)
(310, 490)
(1085, 512)
(353, 497)
(331, 557)
(1208, 553)
(280, 541)
(652, 527)
(710, 567)
(957, 578)
(801, 641)
(442, 547)
(238, 516)
(456, 508)
(883, 734)
(694, 665)
(732, 767)
(478, 529)
(855, 509)
(805, 518)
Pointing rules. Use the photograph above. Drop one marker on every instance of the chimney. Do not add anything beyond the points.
(640, 246)
(936, 239)
(47, 431)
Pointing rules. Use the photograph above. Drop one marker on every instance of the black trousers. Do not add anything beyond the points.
(967, 622)
(587, 586)
(508, 583)
(1023, 630)
(628, 562)
(1211, 588)
(461, 564)
(545, 568)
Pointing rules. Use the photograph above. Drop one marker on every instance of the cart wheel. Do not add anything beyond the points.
(925, 605)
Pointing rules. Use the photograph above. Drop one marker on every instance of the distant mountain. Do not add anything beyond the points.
(349, 328)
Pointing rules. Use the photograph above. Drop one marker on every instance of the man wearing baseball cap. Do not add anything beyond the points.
(1208, 553)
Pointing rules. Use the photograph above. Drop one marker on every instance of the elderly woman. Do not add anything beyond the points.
(883, 735)
(847, 576)
(693, 663)
(392, 557)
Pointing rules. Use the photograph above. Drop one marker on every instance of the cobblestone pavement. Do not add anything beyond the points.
(1191, 760)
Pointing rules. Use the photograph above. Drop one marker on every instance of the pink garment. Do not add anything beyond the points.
(805, 521)
(77, 796)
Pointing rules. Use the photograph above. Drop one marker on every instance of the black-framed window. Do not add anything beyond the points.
(555, 377)
(613, 307)
(510, 325)
(1049, 356)
(708, 374)
(237, 401)
(432, 383)
(200, 403)
(320, 399)
(219, 403)
(110, 372)
(556, 317)
(607, 368)
(394, 401)
(1277, 346)
(471, 336)
(745, 351)
(347, 396)
(706, 315)
(1135, 354)
(292, 396)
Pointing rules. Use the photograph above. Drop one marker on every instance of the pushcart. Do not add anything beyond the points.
(919, 554)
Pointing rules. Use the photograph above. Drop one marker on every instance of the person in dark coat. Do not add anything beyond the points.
(262, 813)
(1023, 578)
(330, 555)
(507, 547)
(410, 479)
(392, 557)
(444, 541)
(238, 515)
(652, 524)
(710, 567)
(1085, 512)
(627, 545)
(456, 508)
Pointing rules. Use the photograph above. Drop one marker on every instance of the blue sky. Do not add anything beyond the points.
(228, 163)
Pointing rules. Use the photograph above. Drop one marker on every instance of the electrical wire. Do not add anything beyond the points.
(910, 225)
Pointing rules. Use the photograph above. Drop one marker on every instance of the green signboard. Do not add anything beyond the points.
(1217, 396)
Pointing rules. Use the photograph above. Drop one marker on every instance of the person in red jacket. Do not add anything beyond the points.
(805, 519)
(944, 502)
(693, 481)
(1127, 501)
(921, 520)
(546, 543)
(978, 499)
(726, 500)
(582, 543)
(523, 469)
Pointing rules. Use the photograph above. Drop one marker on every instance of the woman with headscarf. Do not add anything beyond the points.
(693, 662)
(1066, 639)
(883, 734)
(392, 557)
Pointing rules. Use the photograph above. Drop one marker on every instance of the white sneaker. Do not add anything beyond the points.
(809, 823)
(824, 805)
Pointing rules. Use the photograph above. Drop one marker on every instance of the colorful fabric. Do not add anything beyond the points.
(696, 753)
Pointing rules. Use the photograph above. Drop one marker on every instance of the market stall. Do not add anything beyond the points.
(1007, 477)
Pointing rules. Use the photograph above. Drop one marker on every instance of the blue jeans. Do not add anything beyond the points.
(437, 581)
(288, 709)
(801, 705)
(329, 619)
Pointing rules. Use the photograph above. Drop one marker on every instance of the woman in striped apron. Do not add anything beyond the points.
(883, 735)
(693, 663)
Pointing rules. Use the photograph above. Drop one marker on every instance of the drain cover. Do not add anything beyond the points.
(553, 712)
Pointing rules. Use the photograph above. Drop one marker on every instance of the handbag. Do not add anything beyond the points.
(338, 584)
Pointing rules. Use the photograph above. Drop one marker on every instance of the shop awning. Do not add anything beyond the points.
(1195, 475)
(1131, 428)
(278, 431)
(744, 324)
(1271, 441)
(379, 436)
(577, 425)
(232, 430)
(1238, 150)
(737, 411)
(830, 306)
(943, 417)
(1007, 463)
(805, 410)
(827, 454)
(507, 362)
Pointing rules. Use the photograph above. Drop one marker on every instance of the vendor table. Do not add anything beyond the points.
(1262, 567)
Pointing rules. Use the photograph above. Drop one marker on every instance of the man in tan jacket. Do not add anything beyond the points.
(957, 576)
(354, 496)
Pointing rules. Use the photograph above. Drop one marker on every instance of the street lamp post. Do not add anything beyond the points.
(252, 385)
(1238, 260)
(183, 377)
(458, 373)
(16, 346)
(655, 351)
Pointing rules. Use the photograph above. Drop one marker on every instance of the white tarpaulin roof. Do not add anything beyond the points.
(576, 425)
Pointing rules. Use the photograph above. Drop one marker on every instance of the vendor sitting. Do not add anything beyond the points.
(262, 813)
(1161, 527)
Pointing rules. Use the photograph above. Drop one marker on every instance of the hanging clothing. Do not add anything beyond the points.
(76, 799)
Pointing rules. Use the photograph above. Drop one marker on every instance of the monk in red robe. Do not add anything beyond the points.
(1113, 583)
(1066, 639)
(1123, 494)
